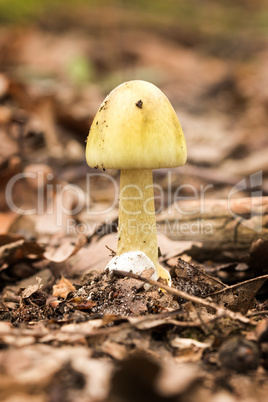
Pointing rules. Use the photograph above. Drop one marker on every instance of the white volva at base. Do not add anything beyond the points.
(132, 261)
(136, 262)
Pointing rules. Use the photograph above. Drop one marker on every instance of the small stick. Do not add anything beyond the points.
(221, 311)
(185, 324)
(253, 314)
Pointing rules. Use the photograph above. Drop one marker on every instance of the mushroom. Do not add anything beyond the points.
(136, 130)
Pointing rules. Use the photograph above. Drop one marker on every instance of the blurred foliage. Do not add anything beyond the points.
(208, 16)
(16, 11)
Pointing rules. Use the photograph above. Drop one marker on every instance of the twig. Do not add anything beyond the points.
(253, 314)
(185, 324)
(113, 253)
(221, 311)
(12, 299)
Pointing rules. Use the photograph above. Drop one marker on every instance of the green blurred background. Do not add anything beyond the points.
(223, 18)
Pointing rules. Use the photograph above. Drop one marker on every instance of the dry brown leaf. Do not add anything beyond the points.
(15, 247)
(59, 220)
(45, 275)
(6, 239)
(82, 304)
(193, 280)
(185, 343)
(239, 297)
(96, 255)
(84, 328)
(188, 350)
(24, 224)
(32, 288)
(171, 248)
(63, 288)
(9, 249)
(63, 248)
(150, 323)
(114, 349)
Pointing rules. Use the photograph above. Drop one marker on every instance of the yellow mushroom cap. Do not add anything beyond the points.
(136, 128)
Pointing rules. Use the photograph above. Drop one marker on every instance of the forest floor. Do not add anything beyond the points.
(72, 331)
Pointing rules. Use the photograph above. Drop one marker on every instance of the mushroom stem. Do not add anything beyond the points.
(137, 226)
